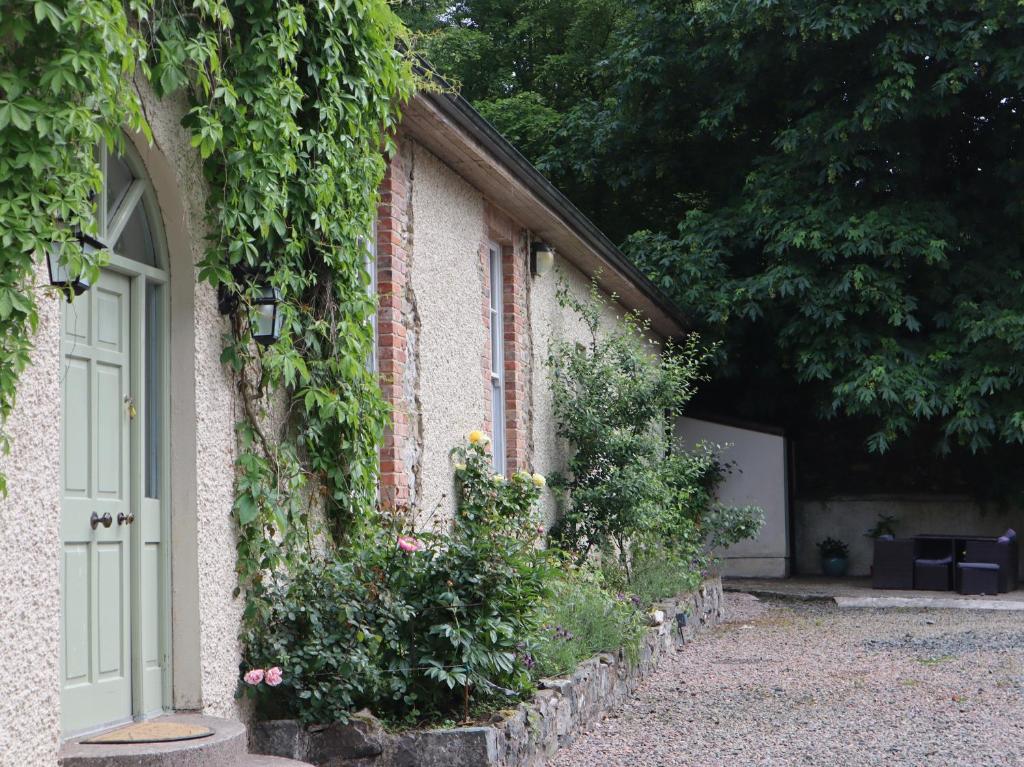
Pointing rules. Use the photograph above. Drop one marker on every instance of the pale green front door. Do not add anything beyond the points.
(96, 373)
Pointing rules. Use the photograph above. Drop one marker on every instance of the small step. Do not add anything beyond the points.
(256, 760)
(225, 748)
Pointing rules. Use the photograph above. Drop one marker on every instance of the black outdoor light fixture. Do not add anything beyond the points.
(60, 277)
(542, 258)
(266, 326)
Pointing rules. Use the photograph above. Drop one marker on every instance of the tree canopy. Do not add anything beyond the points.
(833, 189)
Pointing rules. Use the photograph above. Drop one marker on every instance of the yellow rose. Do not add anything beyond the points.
(539, 481)
(497, 479)
(476, 436)
(460, 467)
(522, 475)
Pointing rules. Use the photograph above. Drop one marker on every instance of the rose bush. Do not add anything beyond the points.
(411, 625)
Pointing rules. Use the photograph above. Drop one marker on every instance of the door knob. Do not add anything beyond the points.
(123, 518)
(106, 520)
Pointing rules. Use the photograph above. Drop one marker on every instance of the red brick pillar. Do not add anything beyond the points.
(394, 249)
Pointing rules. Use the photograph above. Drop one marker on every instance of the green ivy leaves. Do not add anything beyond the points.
(66, 73)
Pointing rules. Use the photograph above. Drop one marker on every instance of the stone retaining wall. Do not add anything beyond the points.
(525, 737)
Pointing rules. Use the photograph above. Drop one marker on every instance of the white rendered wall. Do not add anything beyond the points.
(447, 283)
(758, 478)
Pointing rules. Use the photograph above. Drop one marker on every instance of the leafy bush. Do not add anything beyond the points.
(833, 547)
(581, 619)
(657, 571)
(629, 492)
(411, 625)
(611, 400)
(725, 525)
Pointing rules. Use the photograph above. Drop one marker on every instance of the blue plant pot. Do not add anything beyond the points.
(834, 567)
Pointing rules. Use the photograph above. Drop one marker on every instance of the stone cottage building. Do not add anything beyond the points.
(127, 411)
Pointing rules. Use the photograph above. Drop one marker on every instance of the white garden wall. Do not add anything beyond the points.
(759, 478)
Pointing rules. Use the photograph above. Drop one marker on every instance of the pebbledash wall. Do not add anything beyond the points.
(434, 348)
(205, 616)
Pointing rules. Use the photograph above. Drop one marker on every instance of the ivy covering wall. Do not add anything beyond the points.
(291, 106)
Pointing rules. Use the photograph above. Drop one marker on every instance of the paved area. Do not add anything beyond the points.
(788, 683)
(857, 592)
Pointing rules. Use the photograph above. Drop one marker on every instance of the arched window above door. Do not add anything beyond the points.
(125, 210)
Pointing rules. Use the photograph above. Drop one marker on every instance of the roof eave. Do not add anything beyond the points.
(459, 135)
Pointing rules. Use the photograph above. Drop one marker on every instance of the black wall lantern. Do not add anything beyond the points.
(269, 318)
(267, 324)
(71, 285)
(542, 258)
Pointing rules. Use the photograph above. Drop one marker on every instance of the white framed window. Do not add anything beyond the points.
(371, 269)
(497, 359)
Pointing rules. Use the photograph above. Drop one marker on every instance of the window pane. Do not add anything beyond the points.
(498, 414)
(154, 389)
(136, 241)
(497, 362)
(119, 178)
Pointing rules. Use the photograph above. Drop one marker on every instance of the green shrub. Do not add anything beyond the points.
(582, 619)
(657, 572)
(411, 625)
(725, 525)
(614, 401)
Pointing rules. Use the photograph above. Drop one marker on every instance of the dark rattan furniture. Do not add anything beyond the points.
(997, 552)
(894, 564)
(979, 578)
(932, 562)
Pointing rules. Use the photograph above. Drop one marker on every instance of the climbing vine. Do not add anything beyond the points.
(65, 87)
(291, 106)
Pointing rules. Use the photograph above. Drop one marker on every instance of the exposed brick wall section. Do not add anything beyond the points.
(394, 249)
(516, 277)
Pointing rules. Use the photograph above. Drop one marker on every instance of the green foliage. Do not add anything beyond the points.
(412, 634)
(867, 217)
(613, 400)
(725, 525)
(581, 619)
(657, 571)
(291, 103)
(66, 73)
(526, 66)
(831, 189)
(648, 506)
(886, 524)
(833, 548)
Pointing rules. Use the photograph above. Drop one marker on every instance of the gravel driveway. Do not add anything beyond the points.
(787, 683)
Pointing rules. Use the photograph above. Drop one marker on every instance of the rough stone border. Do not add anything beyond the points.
(528, 736)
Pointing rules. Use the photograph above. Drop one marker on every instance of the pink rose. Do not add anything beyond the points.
(408, 544)
(254, 676)
(274, 676)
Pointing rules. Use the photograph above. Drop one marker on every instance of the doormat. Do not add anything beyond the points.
(152, 732)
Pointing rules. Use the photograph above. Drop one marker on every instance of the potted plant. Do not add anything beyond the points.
(835, 557)
(885, 525)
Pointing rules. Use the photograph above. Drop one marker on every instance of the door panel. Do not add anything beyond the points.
(76, 613)
(96, 658)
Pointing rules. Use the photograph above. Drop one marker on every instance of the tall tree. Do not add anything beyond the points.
(869, 218)
(835, 190)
